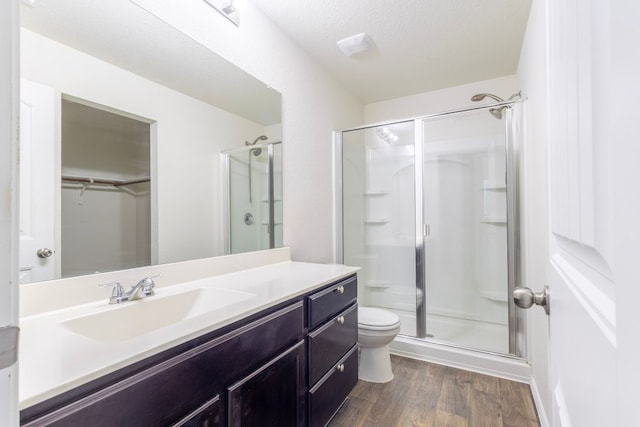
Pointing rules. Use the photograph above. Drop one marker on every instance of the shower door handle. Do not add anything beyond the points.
(525, 298)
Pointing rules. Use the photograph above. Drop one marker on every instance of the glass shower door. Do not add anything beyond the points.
(465, 229)
(378, 208)
(254, 197)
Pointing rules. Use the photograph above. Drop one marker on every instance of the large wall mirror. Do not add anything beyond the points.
(123, 122)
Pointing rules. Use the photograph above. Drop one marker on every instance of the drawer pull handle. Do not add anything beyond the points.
(340, 367)
(340, 289)
(340, 319)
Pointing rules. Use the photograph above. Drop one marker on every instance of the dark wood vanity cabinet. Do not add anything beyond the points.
(252, 373)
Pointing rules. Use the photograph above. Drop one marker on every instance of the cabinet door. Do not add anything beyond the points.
(273, 395)
(211, 414)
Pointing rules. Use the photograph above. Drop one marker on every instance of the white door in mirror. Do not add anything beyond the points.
(37, 182)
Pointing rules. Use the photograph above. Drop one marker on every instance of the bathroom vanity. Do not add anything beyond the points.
(282, 353)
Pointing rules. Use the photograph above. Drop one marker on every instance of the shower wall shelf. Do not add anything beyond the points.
(494, 296)
(377, 221)
(380, 284)
(497, 221)
(493, 186)
(496, 187)
(376, 193)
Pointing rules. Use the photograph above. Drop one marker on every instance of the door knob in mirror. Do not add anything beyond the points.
(44, 253)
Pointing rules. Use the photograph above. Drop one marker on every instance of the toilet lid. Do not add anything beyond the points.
(371, 316)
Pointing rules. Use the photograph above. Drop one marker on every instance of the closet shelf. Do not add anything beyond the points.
(101, 181)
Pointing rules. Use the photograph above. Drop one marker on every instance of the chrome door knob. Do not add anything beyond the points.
(44, 253)
(525, 298)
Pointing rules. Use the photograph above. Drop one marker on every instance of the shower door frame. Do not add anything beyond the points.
(516, 318)
(226, 193)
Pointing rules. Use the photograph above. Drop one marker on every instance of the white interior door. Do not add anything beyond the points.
(37, 182)
(594, 212)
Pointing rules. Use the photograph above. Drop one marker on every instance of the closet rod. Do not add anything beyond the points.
(100, 181)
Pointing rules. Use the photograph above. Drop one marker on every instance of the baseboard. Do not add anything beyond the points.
(537, 400)
(510, 368)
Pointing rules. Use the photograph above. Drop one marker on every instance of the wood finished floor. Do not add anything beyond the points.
(426, 394)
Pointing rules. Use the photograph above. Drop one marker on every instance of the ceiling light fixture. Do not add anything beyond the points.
(386, 135)
(355, 44)
(226, 9)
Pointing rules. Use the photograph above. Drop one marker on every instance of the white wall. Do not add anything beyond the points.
(453, 98)
(190, 135)
(533, 80)
(314, 105)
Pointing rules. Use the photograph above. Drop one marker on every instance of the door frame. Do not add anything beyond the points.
(9, 160)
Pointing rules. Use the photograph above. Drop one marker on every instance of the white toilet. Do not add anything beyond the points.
(376, 329)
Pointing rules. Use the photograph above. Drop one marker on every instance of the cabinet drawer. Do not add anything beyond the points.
(331, 341)
(326, 397)
(332, 300)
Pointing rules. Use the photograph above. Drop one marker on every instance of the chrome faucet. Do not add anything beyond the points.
(144, 288)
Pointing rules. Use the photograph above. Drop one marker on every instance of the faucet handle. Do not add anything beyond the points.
(148, 284)
(116, 294)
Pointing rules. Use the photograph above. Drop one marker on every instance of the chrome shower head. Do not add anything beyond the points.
(256, 151)
(260, 138)
(496, 112)
(481, 96)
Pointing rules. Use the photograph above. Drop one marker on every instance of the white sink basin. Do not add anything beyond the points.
(134, 318)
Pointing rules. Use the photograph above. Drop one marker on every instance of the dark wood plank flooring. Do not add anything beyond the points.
(426, 394)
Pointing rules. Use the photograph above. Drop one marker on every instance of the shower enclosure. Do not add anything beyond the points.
(253, 197)
(428, 210)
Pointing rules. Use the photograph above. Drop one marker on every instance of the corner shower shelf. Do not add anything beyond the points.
(497, 221)
(380, 284)
(493, 186)
(494, 296)
(376, 221)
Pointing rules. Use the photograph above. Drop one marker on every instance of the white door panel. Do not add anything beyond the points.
(37, 180)
(590, 284)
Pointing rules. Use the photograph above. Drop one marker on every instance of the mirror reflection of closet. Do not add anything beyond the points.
(106, 189)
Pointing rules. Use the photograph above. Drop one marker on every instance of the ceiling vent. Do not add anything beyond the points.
(356, 44)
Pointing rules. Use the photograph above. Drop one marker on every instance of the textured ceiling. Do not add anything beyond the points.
(421, 45)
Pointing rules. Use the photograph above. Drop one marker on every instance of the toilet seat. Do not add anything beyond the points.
(377, 319)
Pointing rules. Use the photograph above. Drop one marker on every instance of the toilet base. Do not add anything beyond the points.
(375, 365)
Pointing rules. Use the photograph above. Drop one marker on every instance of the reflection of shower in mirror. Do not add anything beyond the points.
(253, 200)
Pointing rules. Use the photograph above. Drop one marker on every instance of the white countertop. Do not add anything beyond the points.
(53, 359)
